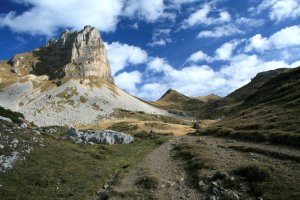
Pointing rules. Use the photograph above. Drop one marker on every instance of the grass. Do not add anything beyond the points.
(269, 183)
(64, 170)
(121, 113)
(123, 127)
(194, 157)
(274, 136)
(14, 116)
(273, 154)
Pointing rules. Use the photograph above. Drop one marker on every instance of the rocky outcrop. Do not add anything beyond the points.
(99, 137)
(74, 55)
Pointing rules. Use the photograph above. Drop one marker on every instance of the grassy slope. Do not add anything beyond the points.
(271, 183)
(173, 100)
(64, 170)
(272, 113)
(223, 107)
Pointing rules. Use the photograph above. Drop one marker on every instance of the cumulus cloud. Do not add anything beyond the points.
(258, 43)
(196, 80)
(201, 16)
(45, 17)
(147, 10)
(159, 65)
(220, 31)
(285, 38)
(121, 55)
(128, 81)
(225, 51)
(161, 37)
(281, 9)
(199, 56)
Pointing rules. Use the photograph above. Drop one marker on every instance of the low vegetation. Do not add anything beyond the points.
(194, 157)
(14, 116)
(121, 113)
(59, 169)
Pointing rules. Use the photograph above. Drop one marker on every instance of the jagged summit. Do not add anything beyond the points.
(75, 54)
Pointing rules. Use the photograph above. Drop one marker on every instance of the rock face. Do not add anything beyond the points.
(74, 55)
(100, 137)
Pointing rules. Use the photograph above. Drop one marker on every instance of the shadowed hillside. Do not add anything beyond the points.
(223, 107)
(178, 103)
(270, 113)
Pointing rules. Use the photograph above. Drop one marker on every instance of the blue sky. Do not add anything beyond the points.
(197, 47)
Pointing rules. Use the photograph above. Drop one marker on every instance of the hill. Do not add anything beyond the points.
(223, 107)
(211, 97)
(271, 113)
(178, 103)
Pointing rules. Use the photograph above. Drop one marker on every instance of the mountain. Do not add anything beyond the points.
(178, 103)
(66, 82)
(222, 107)
(272, 112)
(211, 97)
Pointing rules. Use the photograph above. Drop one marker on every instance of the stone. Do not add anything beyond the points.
(233, 195)
(24, 125)
(100, 137)
(5, 119)
(6, 162)
(75, 55)
(202, 186)
(197, 126)
(1, 146)
(212, 197)
(72, 132)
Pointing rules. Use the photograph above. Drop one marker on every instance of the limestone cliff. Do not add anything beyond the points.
(73, 55)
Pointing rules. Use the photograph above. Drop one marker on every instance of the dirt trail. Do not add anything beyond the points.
(173, 181)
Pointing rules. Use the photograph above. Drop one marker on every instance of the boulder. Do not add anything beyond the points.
(197, 126)
(100, 137)
(5, 119)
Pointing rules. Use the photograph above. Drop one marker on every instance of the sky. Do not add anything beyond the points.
(196, 47)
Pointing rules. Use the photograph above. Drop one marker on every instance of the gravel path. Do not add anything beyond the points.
(173, 181)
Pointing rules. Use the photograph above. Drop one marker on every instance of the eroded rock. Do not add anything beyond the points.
(100, 137)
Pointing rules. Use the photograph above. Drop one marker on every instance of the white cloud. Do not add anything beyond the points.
(161, 37)
(199, 56)
(121, 55)
(225, 51)
(196, 80)
(45, 17)
(221, 31)
(128, 81)
(287, 37)
(258, 43)
(159, 65)
(250, 22)
(201, 16)
(147, 10)
(152, 91)
(281, 9)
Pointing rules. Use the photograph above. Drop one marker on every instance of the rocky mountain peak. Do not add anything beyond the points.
(75, 54)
